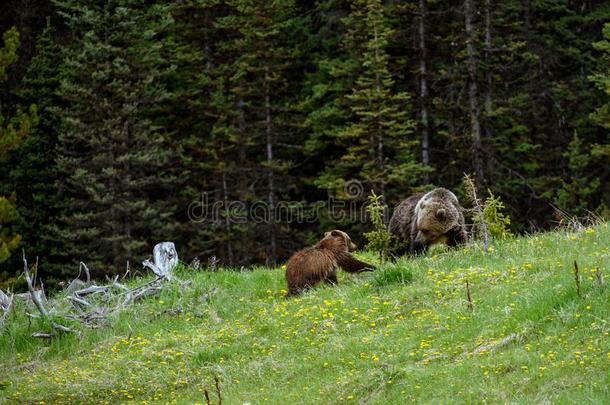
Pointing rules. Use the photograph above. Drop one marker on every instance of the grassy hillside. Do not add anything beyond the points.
(403, 333)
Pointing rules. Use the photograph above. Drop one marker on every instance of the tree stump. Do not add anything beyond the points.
(165, 259)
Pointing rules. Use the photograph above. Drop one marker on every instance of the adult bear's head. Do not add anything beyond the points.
(436, 213)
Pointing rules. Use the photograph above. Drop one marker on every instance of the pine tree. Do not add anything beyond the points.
(111, 155)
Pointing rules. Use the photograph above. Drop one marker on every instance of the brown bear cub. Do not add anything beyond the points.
(428, 218)
(318, 263)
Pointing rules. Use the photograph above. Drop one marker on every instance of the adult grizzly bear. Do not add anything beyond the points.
(318, 263)
(428, 218)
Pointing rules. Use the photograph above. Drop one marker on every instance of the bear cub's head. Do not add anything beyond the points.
(336, 240)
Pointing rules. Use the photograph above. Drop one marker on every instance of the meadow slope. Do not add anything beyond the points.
(402, 334)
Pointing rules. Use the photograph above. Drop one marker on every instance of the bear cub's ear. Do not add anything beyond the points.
(441, 214)
(334, 232)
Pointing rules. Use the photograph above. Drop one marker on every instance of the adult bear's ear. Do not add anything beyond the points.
(441, 214)
(326, 234)
(336, 233)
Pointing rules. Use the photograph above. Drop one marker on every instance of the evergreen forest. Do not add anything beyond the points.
(124, 123)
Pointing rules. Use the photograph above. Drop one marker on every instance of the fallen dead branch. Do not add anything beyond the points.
(496, 345)
(28, 279)
(91, 304)
(27, 297)
(36, 298)
(43, 335)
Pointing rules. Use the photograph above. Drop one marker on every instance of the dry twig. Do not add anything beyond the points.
(30, 283)
(37, 301)
(470, 304)
(577, 278)
(477, 206)
(599, 276)
(217, 381)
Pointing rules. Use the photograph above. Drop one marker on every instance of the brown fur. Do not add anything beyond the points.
(428, 218)
(319, 263)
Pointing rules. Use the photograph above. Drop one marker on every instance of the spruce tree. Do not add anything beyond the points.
(377, 137)
(601, 116)
(12, 132)
(111, 156)
(252, 110)
(33, 171)
(591, 169)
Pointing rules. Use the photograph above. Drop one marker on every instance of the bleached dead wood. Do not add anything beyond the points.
(28, 280)
(62, 328)
(27, 297)
(92, 290)
(90, 303)
(165, 259)
(497, 344)
(74, 285)
(36, 298)
(119, 286)
(77, 283)
(212, 262)
(152, 290)
(144, 290)
(43, 335)
(76, 300)
(91, 319)
(6, 303)
(83, 266)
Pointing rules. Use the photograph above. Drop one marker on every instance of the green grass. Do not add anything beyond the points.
(401, 334)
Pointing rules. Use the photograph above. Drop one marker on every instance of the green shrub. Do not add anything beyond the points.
(379, 239)
(497, 222)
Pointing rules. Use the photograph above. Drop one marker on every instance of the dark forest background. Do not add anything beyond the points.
(118, 114)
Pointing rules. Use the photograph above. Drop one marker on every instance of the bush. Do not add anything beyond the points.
(497, 222)
(379, 239)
